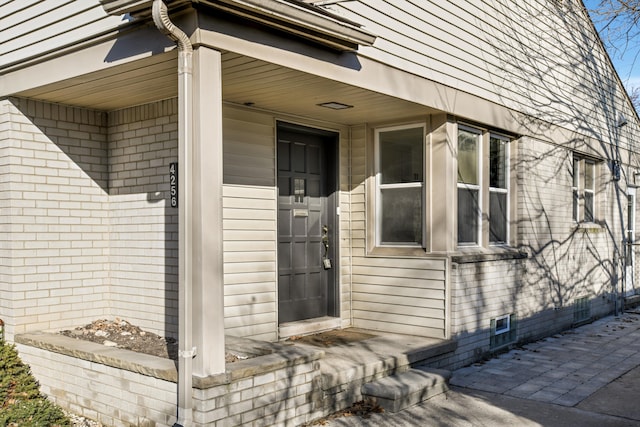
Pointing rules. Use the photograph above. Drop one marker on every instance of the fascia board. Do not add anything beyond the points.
(303, 21)
(299, 19)
(133, 7)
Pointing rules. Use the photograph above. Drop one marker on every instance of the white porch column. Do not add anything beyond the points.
(208, 292)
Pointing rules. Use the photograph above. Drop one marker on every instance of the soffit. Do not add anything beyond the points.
(245, 80)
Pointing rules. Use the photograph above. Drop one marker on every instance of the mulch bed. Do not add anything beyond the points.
(122, 334)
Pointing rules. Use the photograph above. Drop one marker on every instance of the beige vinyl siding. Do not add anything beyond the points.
(249, 221)
(400, 295)
(30, 28)
(391, 294)
(249, 224)
(351, 212)
(531, 56)
(358, 190)
(249, 148)
(546, 200)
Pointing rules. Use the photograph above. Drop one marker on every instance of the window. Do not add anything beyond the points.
(583, 189)
(469, 184)
(503, 325)
(471, 206)
(399, 185)
(503, 331)
(498, 189)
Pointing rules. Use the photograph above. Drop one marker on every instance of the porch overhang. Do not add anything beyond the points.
(292, 16)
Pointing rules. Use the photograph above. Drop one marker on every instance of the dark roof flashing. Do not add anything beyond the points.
(294, 16)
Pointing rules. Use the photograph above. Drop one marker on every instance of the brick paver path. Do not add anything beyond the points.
(563, 369)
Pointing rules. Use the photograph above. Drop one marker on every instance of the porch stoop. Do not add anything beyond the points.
(351, 371)
(400, 391)
(272, 384)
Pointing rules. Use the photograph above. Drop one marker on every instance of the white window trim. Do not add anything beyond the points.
(631, 214)
(506, 328)
(592, 190)
(380, 187)
(579, 168)
(575, 190)
(477, 187)
(507, 190)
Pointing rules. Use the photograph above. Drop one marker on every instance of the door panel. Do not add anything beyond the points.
(306, 200)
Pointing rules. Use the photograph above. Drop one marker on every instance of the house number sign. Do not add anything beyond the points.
(173, 184)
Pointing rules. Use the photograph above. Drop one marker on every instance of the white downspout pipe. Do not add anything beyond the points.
(185, 228)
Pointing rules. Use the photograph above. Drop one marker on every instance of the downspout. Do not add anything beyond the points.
(185, 270)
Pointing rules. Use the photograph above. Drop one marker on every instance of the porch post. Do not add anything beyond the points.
(208, 292)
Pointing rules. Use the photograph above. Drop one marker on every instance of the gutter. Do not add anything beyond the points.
(185, 274)
(292, 16)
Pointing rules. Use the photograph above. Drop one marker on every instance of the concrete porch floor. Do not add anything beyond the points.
(356, 353)
(353, 357)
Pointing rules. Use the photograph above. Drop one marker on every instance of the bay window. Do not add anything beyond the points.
(483, 192)
(498, 189)
(469, 185)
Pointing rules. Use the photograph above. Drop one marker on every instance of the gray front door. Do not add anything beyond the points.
(306, 223)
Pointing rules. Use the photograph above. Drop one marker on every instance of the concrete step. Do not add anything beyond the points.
(397, 392)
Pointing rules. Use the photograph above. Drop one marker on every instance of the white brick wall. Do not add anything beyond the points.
(279, 389)
(6, 227)
(288, 396)
(144, 228)
(54, 210)
(115, 397)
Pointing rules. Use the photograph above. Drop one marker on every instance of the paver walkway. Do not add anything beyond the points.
(563, 369)
(587, 377)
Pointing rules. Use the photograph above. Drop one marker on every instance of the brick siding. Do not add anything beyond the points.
(55, 211)
(143, 227)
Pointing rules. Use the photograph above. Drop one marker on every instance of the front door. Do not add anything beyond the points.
(306, 223)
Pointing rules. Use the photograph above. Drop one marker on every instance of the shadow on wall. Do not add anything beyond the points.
(63, 177)
(102, 195)
(131, 43)
(143, 144)
(79, 134)
(559, 79)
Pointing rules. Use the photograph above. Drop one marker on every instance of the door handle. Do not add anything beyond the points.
(326, 262)
(325, 239)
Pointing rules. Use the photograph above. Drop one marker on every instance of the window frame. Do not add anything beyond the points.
(590, 165)
(579, 190)
(502, 338)
(507, 326)
(379, 187)
(473, 187)
(484, 188)
(506, 190)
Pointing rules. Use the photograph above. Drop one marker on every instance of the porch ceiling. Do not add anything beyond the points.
(245, 81)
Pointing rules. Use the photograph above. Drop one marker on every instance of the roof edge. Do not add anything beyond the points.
(293, 16)
(133, 7)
